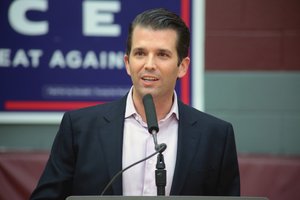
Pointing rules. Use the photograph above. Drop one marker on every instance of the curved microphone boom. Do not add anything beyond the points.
(162, 147)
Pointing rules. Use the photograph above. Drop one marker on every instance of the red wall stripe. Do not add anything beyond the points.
(185, 81)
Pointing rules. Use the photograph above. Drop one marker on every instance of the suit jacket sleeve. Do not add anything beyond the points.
(56, 180)
(229, 179)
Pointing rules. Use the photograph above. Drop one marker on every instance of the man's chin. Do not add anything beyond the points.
(151, 91)
(142, 91)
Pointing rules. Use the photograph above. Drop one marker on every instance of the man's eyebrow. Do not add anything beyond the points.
(165, 51)
(161, 50)
(138, 49)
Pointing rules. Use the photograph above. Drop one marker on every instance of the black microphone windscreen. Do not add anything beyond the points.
(150, 113)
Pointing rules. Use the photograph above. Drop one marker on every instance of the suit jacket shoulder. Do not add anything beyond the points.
(108, 110)
(198, 116)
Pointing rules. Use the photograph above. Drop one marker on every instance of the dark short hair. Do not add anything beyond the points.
(159, 19)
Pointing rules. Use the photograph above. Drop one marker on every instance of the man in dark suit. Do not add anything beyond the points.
(95, 143)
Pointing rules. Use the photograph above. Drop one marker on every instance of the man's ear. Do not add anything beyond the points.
(183, 67)
(126, 61)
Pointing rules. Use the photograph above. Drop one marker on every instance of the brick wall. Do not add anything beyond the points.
(252, 35)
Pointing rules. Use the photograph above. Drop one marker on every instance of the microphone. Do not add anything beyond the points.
(150, 113)
(152, 121)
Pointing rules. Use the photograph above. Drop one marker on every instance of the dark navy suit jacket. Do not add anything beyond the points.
(87, 153)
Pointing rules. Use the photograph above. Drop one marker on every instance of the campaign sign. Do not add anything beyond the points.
(61, 55)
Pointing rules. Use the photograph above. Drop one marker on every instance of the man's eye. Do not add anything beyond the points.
(139, 53)
(163, 54)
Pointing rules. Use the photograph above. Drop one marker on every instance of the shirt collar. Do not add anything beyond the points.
(130, 109)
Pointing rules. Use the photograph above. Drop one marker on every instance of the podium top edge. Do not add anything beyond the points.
(163, 198)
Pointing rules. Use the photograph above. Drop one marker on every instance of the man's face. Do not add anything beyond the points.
(153, 62)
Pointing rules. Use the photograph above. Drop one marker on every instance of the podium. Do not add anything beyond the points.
(162, 198)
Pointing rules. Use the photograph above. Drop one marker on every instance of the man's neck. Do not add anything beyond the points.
(162, 106)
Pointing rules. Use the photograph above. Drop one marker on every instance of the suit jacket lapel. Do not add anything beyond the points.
(188, 138)
(111, 138)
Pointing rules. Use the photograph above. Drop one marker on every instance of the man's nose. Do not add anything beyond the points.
(150, 63)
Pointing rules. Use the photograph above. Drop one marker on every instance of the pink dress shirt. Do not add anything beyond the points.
(138, 144)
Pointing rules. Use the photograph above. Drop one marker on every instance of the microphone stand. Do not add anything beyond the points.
(160, 175)
(160, 172)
